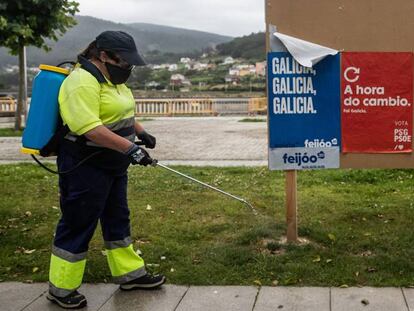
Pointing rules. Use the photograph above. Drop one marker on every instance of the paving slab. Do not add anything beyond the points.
(214, 298)
(409, 297)
(15, 296)
(293, 298)
(367, 299)
(96, 294)
(164, 299)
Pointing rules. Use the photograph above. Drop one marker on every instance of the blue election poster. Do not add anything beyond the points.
(304, 113)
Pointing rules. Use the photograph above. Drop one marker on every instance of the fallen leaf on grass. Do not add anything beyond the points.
(28, 214)
(29, 251)
(317, 259)
(55, 207)
(328, 260)
(155, 265)
(149, 208)
(331, 237)
(344, 286)
(35, 269)
(275, 283)
(257, 282)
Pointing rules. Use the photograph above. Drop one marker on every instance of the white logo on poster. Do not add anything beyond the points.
(355, 71)
(299, 158)
(320, 143)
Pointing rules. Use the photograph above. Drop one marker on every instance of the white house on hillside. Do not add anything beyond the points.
(179, 80)
(173, 67)
(228, 61)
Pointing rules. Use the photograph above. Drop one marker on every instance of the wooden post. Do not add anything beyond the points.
(291, 206)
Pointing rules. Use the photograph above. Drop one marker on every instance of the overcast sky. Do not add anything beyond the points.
(228, 17)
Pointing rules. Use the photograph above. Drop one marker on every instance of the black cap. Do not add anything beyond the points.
(122, 44)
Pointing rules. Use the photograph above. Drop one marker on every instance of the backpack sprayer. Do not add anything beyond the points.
(44, 129)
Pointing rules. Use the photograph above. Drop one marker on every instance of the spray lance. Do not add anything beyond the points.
(156, 163)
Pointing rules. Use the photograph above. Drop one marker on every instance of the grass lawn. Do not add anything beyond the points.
(8, 132)
(359, 224)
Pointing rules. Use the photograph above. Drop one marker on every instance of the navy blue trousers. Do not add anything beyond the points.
(88, 195)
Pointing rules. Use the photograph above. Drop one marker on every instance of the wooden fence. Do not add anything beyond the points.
(172, 107)
(201, 106)
(7, 107)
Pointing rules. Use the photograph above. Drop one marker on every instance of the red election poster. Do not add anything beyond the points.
(377, 98)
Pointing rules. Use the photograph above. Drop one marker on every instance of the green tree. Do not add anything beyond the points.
(31, 22)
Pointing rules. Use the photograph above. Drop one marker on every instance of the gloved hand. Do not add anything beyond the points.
(139, 156)
(148, 139)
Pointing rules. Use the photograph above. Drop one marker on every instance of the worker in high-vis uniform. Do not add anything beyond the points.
(99, 110)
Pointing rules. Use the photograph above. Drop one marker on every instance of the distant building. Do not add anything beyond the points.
(179, 80)
(235, 80)
(185, 60)
(200, 66)
(242, 70)
(152, 84)
(12, 69)
(228, 61)
(173, 67)
(156, 67)
(261, 69)
(234, 72)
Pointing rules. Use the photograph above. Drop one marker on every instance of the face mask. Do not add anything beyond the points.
(117, 75)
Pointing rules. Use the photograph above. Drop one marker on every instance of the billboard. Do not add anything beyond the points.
(377, 98)
(304, 113)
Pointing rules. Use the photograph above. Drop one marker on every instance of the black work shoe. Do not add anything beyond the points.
(147, 281)
(74, 300)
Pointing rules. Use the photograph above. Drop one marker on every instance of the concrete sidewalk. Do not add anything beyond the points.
(107, 297)
(196, 141)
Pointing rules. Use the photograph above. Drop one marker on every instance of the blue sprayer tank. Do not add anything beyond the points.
(43, 116)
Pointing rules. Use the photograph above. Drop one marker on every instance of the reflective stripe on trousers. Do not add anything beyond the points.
(87, 196)
(123, 261)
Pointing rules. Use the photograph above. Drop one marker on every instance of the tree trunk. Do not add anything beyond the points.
(20, 98)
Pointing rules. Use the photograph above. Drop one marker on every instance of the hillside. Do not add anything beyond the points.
(148, 37)
(251, 47)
